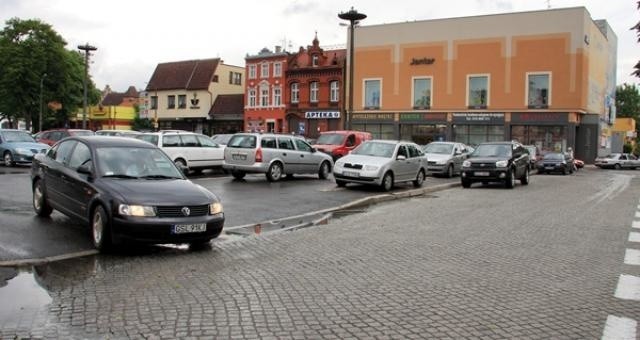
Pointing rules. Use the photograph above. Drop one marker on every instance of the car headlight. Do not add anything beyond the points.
(370, 168)
(23, 151)
(502, 164)
(441, 162)
(466, 164)
(136, 210)
(215, 208)
(338, 165)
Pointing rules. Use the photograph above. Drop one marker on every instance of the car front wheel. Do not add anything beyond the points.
(525, 178)
(275, 172)
(8, 159)
(323, 173)
(510, 181)
(387, 182)
(40, 204)
(466, 183)
(419, 179)
(100, 231)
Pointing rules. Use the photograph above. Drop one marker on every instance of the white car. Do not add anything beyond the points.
(189, 150)
(618, 161)
(383, 163)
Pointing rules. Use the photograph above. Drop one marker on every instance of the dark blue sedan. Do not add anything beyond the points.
(18, 147)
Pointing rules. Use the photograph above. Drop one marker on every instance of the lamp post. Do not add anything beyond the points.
(87, 52)
(44, 75)
(353, 16)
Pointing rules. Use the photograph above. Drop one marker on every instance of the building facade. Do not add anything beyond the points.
(264, 109)
(545, 78)
(116, 110)
(227, 114)
(180, 94)
(314, 95)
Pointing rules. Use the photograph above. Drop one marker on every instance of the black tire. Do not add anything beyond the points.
(449, 173)
(419, 179)
(7, 159)
(564, 171)
(524, 180)
(387, 182)
(323, 173)
(510, 181)
(40, 204)
(466, 183)
(341, 184)
(100, 229)
(237, 174)
(617, 166)
(274, 173)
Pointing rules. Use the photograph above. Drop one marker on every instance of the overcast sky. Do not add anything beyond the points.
(133, 36)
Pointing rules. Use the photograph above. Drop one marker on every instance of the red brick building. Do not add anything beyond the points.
(314, 96)
(264, 106)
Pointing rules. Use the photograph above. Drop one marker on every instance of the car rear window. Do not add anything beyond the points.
(242, 141)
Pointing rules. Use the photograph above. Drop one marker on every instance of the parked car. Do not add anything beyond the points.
(383, 163)
(189, 150)
(126, 190)
(119, 133)
(340, 143)
(222, 138)
(18, 147)
(496, 162)
(445, 158)
(618, 161)
(555, 162)
(534, 156)
(51, 137)
(274, 155)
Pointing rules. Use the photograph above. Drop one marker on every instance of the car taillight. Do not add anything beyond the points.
(258, 155)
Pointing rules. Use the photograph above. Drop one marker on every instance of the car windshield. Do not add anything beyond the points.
(492, 150)
(242, 141)
(221, 139)
(554, 156)
(330, 139)
(17, 136)
(135, 162)
(375, 149)
(439, 148)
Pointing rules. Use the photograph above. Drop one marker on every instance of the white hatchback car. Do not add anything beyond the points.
(189, 150)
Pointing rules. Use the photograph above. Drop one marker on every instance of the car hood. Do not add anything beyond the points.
(434, 157)
(325, 147)
(486, 159)
(160, 192)
(368, 160)
(28, 145)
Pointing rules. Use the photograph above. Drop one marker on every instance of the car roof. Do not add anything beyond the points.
(107, 141)
(389, 141)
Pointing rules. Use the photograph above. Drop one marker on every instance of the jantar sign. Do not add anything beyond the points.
(422, 61)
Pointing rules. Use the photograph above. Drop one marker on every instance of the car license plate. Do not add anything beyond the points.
(189, 228)
(549, 167)
(481, 173)
(239, 157)
(351, 174)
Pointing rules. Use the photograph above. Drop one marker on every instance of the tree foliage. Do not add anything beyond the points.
(32, 52)
(627, 101)
(637, 29)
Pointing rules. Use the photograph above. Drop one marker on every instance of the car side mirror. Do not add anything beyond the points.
(84, 169)
(401, 157)
(313, 150)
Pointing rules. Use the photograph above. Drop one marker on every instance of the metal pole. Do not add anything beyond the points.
(84, 85)
(40, 114)
(348, 118)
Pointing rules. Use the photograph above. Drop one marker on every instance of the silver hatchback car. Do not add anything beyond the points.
(274, 155)
(383, 163)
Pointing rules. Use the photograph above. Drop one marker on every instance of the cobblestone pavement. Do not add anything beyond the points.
(537, 262)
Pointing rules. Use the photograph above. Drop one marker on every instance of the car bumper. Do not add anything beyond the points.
(488, 175)
(552, 168)
(160, 230)
(23, 159)
(253, 168)
(362, 178)
(437, 168)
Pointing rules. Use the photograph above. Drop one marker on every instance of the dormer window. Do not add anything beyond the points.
(314, 60)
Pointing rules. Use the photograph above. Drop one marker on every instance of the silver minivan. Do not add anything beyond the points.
(274, 155)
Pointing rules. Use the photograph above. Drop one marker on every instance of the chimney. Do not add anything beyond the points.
(278, 49)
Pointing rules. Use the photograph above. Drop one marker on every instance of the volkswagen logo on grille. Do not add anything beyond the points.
(481, 164)
(186, 211)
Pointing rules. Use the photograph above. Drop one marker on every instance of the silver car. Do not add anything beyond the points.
(274, 155)
(383, 163)
(445, 158)
(618, 161)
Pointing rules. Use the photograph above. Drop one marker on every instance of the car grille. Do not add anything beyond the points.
(431, 163)
(484, 165)
(353, 166)
(176, 211)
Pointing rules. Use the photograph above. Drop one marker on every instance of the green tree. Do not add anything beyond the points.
(637, 29)
(627, 101)
(31, 51)
(141, 124)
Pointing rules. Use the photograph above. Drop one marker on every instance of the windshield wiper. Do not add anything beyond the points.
(159, 177)
(121, 176)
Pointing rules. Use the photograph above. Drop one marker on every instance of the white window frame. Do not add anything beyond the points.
(264, 70)
(252, 97)
(334, 91)
(295, 93)
(478, 75)
(413, 92)
(314, 91)
(364, 93)
(277, 96)
(315, 60)
(526, 86)
(252, 71)
(264, 95)
(277, 69)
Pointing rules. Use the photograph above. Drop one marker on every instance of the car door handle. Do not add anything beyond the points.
(301, 156)
(284, 153)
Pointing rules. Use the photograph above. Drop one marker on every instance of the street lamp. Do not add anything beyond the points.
(87, 52)
(44, 75)
(353, 16)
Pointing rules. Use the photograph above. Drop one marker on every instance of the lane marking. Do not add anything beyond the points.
(619, 328)
(628, 287)
(635, 224)
(632, 257)
(634, 237)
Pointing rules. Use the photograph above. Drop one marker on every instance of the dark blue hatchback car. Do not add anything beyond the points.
(18, 147)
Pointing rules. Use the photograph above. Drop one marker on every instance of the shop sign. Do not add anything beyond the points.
(477, 118)
(422, 61)
(322, 114)
(539, 117)
(420, 117)
(372, 116)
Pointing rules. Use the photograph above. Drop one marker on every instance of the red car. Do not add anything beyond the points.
(50, 137)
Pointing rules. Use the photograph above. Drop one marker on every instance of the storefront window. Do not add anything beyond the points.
(478, 91)
(423, 134)
(538, 85)
(379, 131)
(546, 138)
(372, 94)
(421, 93)
(476, 134)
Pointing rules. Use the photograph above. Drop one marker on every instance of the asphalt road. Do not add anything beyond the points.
(25, 238)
